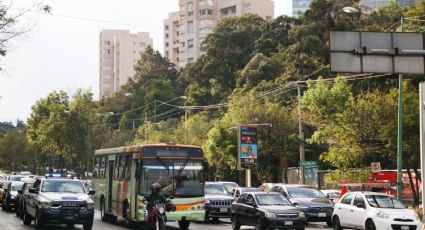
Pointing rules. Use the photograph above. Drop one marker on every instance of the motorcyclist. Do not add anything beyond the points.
(150, 199)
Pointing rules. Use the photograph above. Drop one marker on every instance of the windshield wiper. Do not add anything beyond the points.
(183, 166)
(163, 164)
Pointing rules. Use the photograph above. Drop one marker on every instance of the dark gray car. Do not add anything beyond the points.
(311, 201)
(218, 201)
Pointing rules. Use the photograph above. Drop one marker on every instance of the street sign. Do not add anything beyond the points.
(307, 163)
(376, 167)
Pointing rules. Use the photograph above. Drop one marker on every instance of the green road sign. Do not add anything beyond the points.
(307, 163)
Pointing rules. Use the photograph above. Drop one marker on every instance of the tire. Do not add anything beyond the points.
(329, 223)
(215, 220)
(259, 224)
(38, 221)
(336, 223)
(369, 225)
(161, 225)
(184, 224)
(235, 223)
(88, 225)
(102, 211)
(26, 218)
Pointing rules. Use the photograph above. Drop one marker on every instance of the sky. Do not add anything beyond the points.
(61, 50)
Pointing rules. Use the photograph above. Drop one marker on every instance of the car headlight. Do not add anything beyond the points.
(382, 214)
(12, 197)
(43, 205)
(90, 205)
(270, 215)
(207, 202)
(301, 214)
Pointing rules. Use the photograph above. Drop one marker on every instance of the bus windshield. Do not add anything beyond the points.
(178, 178)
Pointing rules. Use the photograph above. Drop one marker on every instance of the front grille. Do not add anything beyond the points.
(403, 227)
(221, 202)
(317, 209)
(287, 215)
(403, 220)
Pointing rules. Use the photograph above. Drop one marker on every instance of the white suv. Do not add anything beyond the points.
(370, 211)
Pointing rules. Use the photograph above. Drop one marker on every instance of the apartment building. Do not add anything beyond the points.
(185, 30)
(119, 50)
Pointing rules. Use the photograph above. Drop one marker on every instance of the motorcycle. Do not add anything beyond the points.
(156, 219)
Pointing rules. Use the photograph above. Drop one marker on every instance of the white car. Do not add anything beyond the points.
(370, 211)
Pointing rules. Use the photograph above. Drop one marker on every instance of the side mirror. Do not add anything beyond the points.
(295, 203)
(360, 205)
(20, 191)
(33, 190)
(91, 192)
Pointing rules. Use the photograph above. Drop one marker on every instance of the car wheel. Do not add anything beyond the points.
(26, 218)
(336, 224)
(329, 223)
(88, 225)
(259, 224)
(102, 210)
(370, 225)
(38, 221)
(70, 226)
(235, 223)
(215, 220)
(184, 224)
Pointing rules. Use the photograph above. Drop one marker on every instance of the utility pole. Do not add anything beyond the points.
(146, 126)
(400, 131)
(422, 137)
(154, 114)
(301, 138)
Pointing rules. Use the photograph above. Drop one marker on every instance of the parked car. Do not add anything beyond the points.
(218, 201)
(370, 211)
(25, 173)
(230, 185)
(311, 201)
(16, 177)
(20, 200)
(332, 194)
(266, 210)
(59, 200)
(237, 192)
(10, 195)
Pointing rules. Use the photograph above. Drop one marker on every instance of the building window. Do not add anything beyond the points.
(190, 27)
(166, 27)
(167, 44)
(190, 43)
(107, 43)
(189, 8)
(142, 45)
(189, 60)
(205, 22)
(205, 12)
(167, 53)
(167, 35)
(205, 2)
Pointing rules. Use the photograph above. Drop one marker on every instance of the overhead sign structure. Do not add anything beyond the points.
(247, 146)
(377, 52)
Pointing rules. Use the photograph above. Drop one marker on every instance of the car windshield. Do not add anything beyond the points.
(304, 192)
(16, 186)
(383, 201)
(250, 190)
(272, 199)
(230, 185)
(16, 178)
(62, 186)
(216, 189)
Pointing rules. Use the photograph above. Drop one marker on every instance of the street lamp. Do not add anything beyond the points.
(352, 10)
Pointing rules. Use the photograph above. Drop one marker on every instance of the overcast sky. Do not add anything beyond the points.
(61, 50)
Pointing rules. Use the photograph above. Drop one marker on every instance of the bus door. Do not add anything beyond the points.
(110, 180)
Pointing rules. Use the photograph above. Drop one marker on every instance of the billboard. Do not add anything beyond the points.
(247, 146)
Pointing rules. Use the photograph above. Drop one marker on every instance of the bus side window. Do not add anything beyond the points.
(128, 166)
(122, 168)
(102, 167)
(117, 167)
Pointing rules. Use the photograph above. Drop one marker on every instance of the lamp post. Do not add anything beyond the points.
(352, 10)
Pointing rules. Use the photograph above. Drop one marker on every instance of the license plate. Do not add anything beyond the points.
(223, 209)
(404, 228)
(69, 217)
(289, 222)
(322, 214)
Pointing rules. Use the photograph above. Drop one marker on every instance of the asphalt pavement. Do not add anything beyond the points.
(8, 221)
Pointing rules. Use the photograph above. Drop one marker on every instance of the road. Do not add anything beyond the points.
(9, 221)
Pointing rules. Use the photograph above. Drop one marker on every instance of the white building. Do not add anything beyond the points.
(118, 53)
(185, 29)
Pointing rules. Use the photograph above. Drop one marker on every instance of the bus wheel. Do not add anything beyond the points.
(102, 211)
(184, 224)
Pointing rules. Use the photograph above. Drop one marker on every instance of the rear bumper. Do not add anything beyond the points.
(50, 216)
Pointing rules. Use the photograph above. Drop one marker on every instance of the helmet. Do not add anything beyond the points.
(155, 188)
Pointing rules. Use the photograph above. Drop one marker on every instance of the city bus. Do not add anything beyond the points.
(122, 177)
